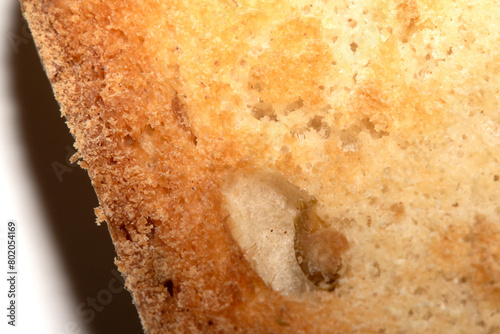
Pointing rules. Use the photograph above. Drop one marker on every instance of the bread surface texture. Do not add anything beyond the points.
(289, 166)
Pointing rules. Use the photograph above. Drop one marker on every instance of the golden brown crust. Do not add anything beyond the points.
(154, 125)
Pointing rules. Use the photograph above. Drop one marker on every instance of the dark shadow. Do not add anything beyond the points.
(68, 201)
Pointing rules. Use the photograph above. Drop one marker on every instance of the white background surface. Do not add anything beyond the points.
(64, 261)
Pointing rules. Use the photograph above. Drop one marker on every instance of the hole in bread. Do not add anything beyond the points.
(320, 126)
(128, 140)
(349, 136)
(152, 228)
(316, 123)
(99, 101)
(169, 285)
(262, 209)
(125, 232)
(295, 105)
(263, 109)
(289, 249)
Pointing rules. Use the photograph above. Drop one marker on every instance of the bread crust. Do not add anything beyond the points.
(159, 180)
(179, 261)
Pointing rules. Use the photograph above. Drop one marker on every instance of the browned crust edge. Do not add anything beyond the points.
(185, 272)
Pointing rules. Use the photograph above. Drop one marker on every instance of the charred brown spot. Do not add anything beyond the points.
(318, 248)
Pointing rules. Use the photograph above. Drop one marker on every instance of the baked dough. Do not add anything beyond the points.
(289, 166)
